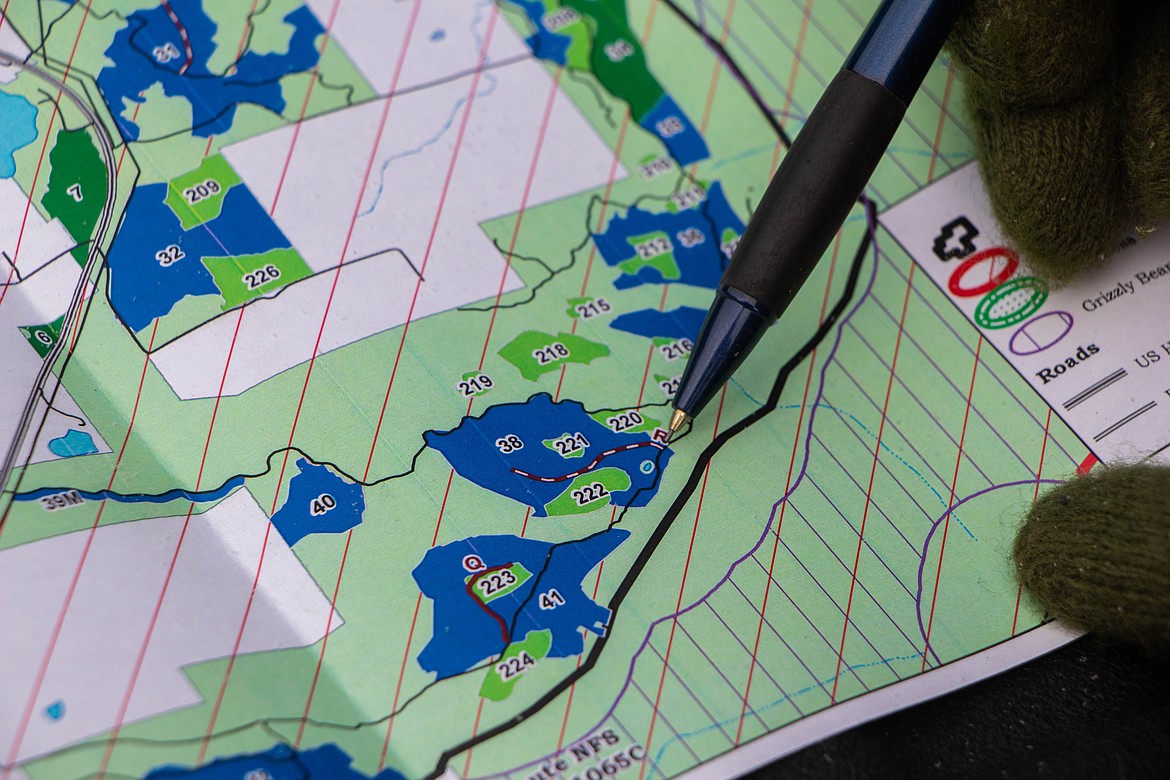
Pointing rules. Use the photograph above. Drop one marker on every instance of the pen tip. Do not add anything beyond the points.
(678, 419)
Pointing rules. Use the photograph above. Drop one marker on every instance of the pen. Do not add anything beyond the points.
(814, 189)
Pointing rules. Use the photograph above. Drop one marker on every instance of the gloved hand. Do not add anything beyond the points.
(1070, 101)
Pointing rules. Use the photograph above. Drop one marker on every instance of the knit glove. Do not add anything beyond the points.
(1070, 102)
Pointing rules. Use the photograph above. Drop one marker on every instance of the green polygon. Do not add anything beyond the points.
(229, 273)
(517, 570)
(519, 351)
(536, 644)
(179, 192)
(36, 335)
(77, 187)
(577, 52)
(614, 479)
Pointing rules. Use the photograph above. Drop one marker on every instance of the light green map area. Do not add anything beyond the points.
(271, 555)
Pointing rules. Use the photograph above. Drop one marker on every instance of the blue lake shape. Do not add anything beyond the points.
(281, 762)
(141, 288)
(470, 449)
(676, 131)
(56, 710)
(18, 128)
(72, 444)
(681, 323)
(700, 265)
(306, 511)
(465, 633)
(213, 97)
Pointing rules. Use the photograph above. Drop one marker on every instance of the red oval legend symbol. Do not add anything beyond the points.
(1040, 333)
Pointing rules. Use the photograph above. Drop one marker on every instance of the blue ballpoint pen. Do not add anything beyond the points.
(814, 189)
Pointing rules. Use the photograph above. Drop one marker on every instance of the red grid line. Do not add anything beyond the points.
(42, 670)
(869, 490)
(681, 588)
(951, 503)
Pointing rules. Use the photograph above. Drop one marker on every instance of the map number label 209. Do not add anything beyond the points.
(202, 191)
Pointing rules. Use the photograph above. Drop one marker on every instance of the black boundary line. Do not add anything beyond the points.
(703, 460)
(673, 512)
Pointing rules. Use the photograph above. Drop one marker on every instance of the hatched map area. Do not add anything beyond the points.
(337, 342)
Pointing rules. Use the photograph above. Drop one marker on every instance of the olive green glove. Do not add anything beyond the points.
(1070, 101)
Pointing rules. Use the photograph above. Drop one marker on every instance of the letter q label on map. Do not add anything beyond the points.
(1097, 351)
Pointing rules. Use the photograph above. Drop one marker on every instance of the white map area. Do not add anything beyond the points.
(1105, 333)
(446, 39)
(111, 610)
(409, 180)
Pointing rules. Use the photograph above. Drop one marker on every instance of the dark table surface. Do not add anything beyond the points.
(1091, 709)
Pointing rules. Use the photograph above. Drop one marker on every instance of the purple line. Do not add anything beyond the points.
(779, 35)
(890, 262)
(848, 618)
(934, 527)
(918, 401)
(838, 334)
(961, 394)
(857, 532)
(691, 693)
(662, 717)
(891, 424)
(759, 664)
(719, 671)
(881, 463)
(857, 484)
(859, 582)
(633, 741)
(772, 628)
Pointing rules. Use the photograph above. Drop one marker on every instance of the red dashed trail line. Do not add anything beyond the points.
(182, 34)
(594, 462)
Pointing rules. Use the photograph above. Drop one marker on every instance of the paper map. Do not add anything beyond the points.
(337, 339)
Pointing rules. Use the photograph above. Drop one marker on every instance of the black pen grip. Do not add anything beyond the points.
(814, 189)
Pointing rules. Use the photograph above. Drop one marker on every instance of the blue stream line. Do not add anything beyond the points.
(772, 705)
(493, 82)
(885, 447)
(193, 496)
